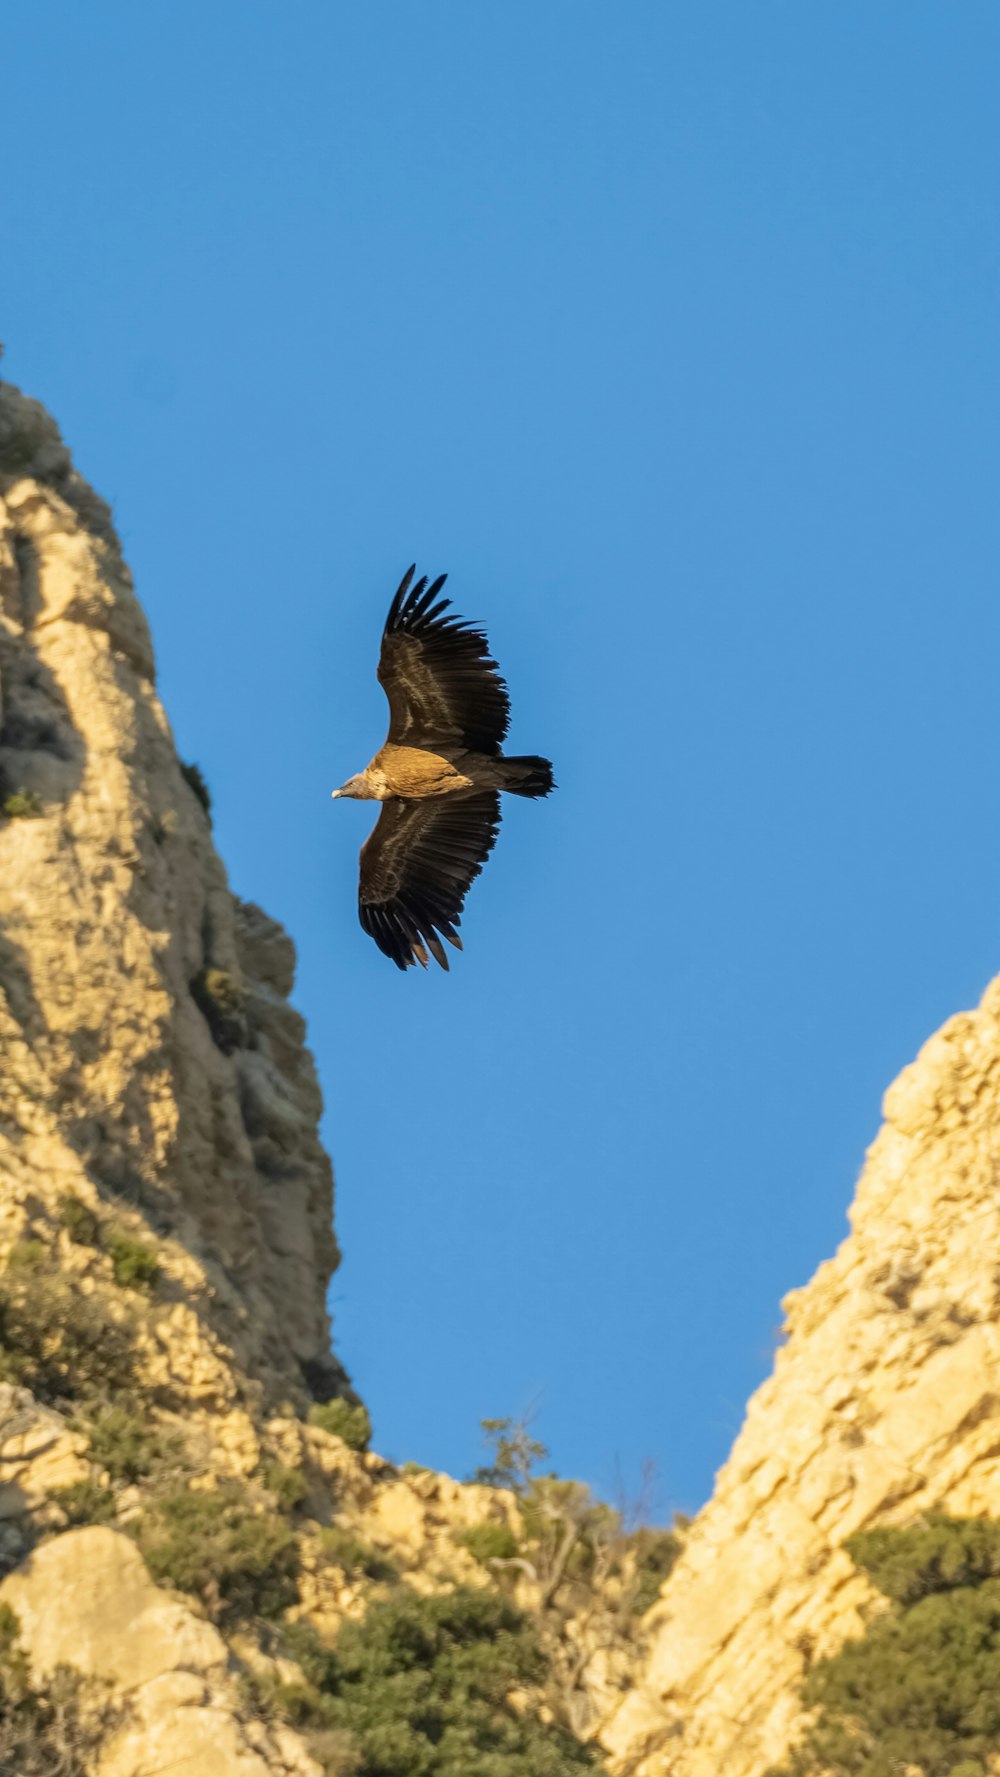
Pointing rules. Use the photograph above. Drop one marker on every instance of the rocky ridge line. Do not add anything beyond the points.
(166, 1215)
(883, 1405)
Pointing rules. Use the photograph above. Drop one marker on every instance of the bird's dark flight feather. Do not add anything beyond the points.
(416, 868)
(443, 685)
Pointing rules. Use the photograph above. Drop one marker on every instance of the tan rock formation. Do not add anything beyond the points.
(154, 1076)
(154, 1079)
(85, 1600)
(39, 1455)
(158, 1109)
(884, 1402)
(116, 927)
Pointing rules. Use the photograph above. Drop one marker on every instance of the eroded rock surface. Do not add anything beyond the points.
(158, 1109)
(125, 1080)
(166, 1233)
(85, 1600)
(884, 1403)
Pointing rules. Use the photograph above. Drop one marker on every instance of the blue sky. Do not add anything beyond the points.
(670, 332)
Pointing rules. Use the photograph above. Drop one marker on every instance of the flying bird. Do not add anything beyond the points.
(438, 776)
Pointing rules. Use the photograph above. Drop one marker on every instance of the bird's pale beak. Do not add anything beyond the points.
(336, 793)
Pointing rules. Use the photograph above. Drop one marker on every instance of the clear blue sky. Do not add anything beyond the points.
(670, 331)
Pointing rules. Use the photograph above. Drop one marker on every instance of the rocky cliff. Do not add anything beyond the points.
(150, 1054)
(884, 1403)
(185, 1484)
(189, 1515)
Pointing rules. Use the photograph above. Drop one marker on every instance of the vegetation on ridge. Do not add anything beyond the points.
(423, 1687)
(62, 1345)
(338, 1417)
(461, 1681)
(920, 1690)
(568, 1536)
(240, 1561)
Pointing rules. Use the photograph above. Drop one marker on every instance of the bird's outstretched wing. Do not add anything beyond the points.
(443, 686)
(416, 868)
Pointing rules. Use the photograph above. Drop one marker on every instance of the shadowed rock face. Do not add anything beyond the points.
(148, 1052)
(884, 1403)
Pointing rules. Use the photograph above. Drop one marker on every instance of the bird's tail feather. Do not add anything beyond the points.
(528, 775)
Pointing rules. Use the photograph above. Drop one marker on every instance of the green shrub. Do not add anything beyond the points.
(27, 1255)
(936, 1556)
(219, 998)
(80, 1223)
(354, 1556)
(21, 805)
(135, 1265)
(126, 1447)
(59, 1343)
(288, 1485)
(921, 1688)
(240, 1561)
(301, 1701)
(195, 780)
(303, 1644)
(422, 1687)
(294, 1701)
(489, 1542)
(352, 1424)
(86, 1502)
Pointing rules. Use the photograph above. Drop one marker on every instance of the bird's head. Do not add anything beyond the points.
(358, 787)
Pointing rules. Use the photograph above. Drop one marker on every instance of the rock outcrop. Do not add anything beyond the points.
(166, 1246)
(85, 1601)
(166, 1238)
(884, 1403)
(158, 1109)
(149, 1056)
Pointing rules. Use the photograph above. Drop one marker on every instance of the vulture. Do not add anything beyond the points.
(438, 776)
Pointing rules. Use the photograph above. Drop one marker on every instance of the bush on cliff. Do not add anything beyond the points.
(423, 1687)
(240, 1561)
(352, 1424)
(921, 1689)
(62, 1345)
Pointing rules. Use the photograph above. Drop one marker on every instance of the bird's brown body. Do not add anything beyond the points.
(438, 777)
(416, 772)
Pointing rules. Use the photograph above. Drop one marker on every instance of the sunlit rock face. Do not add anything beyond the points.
(150, 1056)
(158, 1109)
(85, 1600)
(884, 1402)
(166, 1237)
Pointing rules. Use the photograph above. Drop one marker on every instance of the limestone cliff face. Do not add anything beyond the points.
(153, 1077)
(114, 914)
(166, 1221)
(884, 1403)
(155, 1090)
